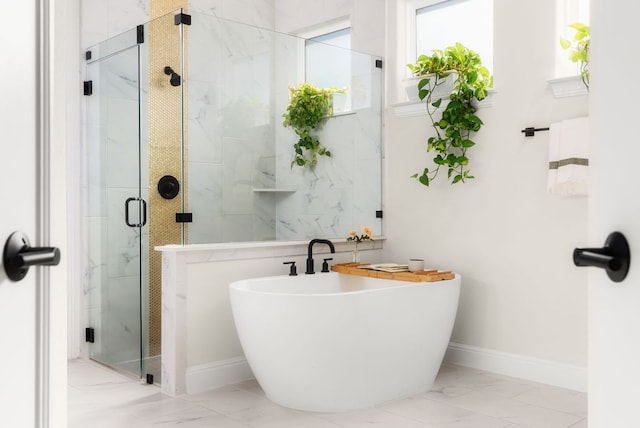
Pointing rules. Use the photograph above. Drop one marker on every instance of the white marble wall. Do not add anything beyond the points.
(239, 77)
(230, 130)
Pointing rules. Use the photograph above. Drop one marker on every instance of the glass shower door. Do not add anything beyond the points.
(117, 209)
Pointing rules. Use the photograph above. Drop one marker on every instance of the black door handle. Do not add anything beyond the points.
(18, 256)
(144, 212)
(614, 257)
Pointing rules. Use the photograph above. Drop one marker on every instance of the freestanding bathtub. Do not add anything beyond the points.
(332, 342)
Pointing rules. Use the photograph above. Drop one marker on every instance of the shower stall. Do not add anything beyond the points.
(185, 145)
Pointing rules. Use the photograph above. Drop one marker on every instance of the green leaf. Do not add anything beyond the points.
(566, 44)
(456, 121)
(424, 178)
(422, 94)
(579, 26)
(468, 143)
(422, 83)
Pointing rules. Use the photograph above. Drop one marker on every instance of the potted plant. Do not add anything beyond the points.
(579, 49)
(308, 107)
(457, 121)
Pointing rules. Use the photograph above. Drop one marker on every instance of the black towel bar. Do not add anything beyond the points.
(531, 131)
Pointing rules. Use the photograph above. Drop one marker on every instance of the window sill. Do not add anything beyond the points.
(564, 87)
(419, 108)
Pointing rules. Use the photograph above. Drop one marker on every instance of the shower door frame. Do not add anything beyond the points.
(122, 213)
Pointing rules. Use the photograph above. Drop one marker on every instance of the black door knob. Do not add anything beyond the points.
(614, 257)
(18, 256)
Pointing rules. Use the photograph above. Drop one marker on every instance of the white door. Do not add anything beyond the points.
(614, 308)
(22, 376)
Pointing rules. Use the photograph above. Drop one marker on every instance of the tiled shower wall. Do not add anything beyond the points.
(239, 152)
(328, 202)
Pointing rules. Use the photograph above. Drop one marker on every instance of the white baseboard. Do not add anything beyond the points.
(519, 366)
(215, 375)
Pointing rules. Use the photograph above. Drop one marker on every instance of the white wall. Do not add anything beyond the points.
(511, 241)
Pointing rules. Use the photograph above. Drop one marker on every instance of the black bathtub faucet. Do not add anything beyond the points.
(310, 267)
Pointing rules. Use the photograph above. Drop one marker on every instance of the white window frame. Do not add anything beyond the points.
(412, 7)
(407, 23)
(315, 31)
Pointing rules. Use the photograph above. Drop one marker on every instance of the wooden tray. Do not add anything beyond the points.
(422, 276)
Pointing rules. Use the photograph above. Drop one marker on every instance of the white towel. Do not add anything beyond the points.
(569, 143)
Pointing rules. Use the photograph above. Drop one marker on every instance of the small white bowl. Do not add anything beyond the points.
(415, 265)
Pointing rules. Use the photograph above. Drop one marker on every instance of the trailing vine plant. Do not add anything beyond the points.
(579, 49)
(454, 124)
(308, 107)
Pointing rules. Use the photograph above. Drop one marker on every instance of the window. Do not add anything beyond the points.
(436, 24)
(568, 12)
(328, 60)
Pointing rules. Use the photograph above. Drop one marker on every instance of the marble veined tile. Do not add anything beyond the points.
(228, 400)
(467, 398)
(441, 414)
(126, 14)
(209, 7)
(537, 417)
(373, 418)
(573, 402)
(205, 188)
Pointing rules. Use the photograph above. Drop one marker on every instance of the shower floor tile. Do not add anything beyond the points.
(461, 397)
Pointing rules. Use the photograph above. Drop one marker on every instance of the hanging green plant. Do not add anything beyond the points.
(308, 107)
(458, 120)
(579, 49)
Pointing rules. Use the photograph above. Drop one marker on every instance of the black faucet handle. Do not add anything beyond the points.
(325, 265)
(293, 271)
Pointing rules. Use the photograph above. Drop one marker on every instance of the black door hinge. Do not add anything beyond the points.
(140, 34)
(184, 217)
(182, 18)
(87, 55)
(90, 335)
(378, 63)
(379, 214)
(88, 87)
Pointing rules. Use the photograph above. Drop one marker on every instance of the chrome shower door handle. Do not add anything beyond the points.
(143, 218)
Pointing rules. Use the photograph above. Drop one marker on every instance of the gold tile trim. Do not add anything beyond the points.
(165, 148)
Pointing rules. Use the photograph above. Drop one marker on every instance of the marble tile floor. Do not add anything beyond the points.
(461, 398)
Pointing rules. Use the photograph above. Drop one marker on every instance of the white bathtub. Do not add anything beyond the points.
(331, 342)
